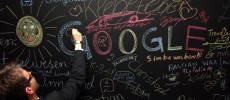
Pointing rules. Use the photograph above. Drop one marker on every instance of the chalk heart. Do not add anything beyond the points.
(187, 13)
(208, 85)
(75, 11)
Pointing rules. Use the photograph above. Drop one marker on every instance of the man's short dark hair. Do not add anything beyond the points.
(12, 82)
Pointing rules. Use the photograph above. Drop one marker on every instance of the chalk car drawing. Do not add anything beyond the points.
(120, 18)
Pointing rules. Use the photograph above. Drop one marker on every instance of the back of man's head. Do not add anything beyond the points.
(12, 82)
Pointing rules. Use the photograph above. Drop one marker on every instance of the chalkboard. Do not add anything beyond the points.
(135, 49)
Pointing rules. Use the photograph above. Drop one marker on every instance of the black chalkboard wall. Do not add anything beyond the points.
(136, 49)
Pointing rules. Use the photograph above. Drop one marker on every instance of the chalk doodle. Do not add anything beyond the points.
(135, 49)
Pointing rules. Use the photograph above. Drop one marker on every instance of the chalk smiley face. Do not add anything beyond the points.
(29, 31)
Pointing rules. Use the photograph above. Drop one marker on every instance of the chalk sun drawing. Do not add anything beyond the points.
(30, 29)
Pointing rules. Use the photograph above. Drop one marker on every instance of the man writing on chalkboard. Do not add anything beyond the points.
(17, 83)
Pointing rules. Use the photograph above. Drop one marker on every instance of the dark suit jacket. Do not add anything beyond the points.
(73, 85)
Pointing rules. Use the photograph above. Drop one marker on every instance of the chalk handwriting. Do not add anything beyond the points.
(166, 20)
(191, 78)
(187, 63)
(137, 89)
(179, 7)
(135, 66)
(225, 16)
(89, 85)
(102, 69)
(3, 58)
(220, 97)
(110, 97)
(124, 76)
(179, 66)
(64, 2)
(223, 53)
(183, 97)
(198, 70)
(49, 64)
(124, 59)
(106, 48)
(111, 55)
(223, 84)
(49, 83)
(8, 42)
(164, 57)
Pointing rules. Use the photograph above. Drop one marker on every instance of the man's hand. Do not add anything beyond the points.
(76, 35)
(77, 39)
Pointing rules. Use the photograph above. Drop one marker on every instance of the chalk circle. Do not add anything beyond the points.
(29, 31)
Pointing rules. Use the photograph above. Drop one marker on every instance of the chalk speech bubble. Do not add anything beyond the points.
(124, 76)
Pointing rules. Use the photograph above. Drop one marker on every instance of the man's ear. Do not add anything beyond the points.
(29, 90)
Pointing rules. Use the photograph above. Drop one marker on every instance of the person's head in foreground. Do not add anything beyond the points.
(16, 83)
